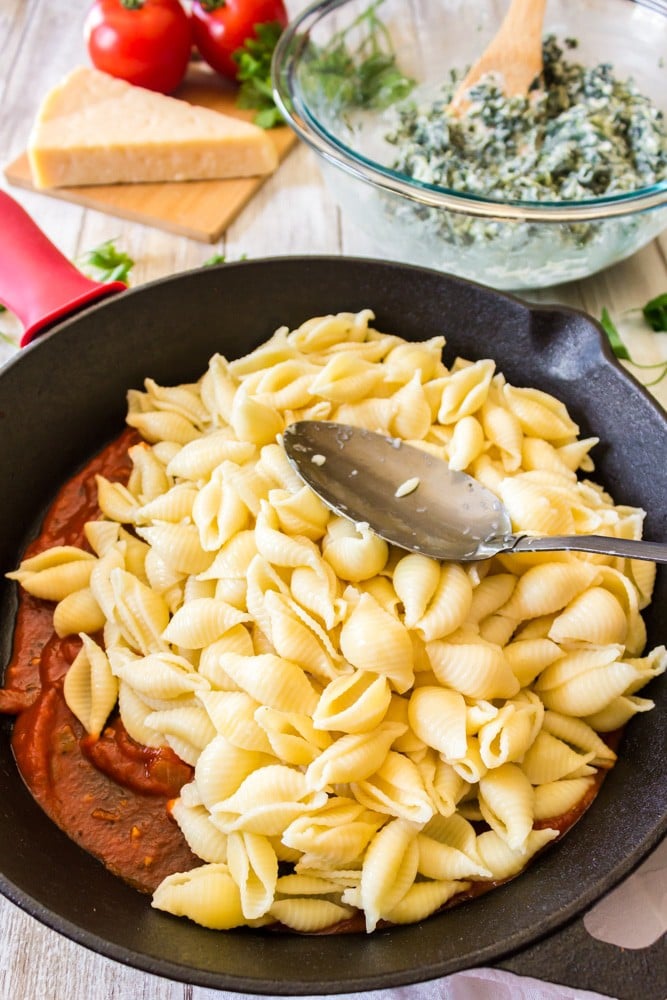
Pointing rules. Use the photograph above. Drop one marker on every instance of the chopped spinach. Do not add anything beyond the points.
(580, 134)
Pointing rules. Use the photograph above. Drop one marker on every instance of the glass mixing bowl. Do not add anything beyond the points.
(506, 244)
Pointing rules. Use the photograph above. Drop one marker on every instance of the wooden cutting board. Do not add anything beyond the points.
(201, 210)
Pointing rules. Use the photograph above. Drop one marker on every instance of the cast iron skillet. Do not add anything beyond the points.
(65, 396)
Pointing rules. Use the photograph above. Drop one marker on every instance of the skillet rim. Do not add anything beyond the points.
(603, 356)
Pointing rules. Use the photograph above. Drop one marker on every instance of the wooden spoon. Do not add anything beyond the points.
(515, 54)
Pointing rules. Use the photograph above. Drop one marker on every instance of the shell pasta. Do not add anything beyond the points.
(372, 733)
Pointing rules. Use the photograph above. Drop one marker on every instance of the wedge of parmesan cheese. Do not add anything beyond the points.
(95, 129)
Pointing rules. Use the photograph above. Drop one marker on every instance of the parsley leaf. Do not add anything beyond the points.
(105, 263)
(655, 313)
(614, 337)
(254, 75)
(366, 76)
(621, 351)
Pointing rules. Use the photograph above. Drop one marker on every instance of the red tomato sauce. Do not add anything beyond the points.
(111, 794)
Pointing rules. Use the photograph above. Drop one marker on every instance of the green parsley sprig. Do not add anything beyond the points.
(364, 76)
(105, 263)
(254, 75)
(655, 314)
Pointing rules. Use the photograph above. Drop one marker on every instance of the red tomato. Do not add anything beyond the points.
(146, 42)
(220, 27)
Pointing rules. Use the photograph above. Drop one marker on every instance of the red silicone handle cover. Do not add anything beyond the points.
(37, 282)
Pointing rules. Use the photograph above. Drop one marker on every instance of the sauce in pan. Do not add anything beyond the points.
(110, 795)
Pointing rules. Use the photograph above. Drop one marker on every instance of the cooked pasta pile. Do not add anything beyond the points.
(371, 731)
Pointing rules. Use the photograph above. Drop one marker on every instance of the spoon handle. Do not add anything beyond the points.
(627, 548)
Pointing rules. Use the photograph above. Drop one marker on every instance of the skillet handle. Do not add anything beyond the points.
(37, 282)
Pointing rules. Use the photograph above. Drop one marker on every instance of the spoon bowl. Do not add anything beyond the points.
(414, 500)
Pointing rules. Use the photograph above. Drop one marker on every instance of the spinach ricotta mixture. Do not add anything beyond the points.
(579, 134)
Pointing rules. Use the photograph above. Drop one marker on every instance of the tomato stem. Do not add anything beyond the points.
(132, 4)
(211, 5)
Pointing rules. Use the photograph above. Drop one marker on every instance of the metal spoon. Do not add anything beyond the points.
(414, 500)
(514, 54)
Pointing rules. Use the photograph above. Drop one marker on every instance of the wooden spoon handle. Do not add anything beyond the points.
(515, 53)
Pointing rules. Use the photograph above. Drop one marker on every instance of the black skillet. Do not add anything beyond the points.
(64, 397)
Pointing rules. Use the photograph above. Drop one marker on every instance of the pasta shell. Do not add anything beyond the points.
(90, 688)
(55, 573)
(353, 703)
(254, 421)
(415, 580)
(618, 712)
(540, 414)
(438, 717)
(475, 669)
(233, 715)
(267, 801)
(297, 637)
(449, 605)
(78, 612)
(372, 639)
(141, 613)
(595, 616)
(508, 736)
(101, 535)
(309, 915)
(529, 657)
(465, 391)
(162, 675)
(197, 459)
(424, 898)
(254, 867)
(173, 505)
(178, 545)
(300, 513)
(203, 838)
(506, 801)
(335, 835)
(557, 798)
(202, 621)
(550, 759)
(157, 425)
(271, 680)
(581, 736)
(346, 379)
(547, 588)
(503, 430)
(319, 594)
(354, 552)
(444, 786)
(389, 869)
(352, 757)
(207, 895)
(186, 730)
(292, 736)
(584, 682)
(396, 788)
(134, 712)
(502, 861)
(467, 443)
(222, 766)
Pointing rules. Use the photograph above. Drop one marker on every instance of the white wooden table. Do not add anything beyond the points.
(40, 40)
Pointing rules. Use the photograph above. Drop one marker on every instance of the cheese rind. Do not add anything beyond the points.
(94, 129)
